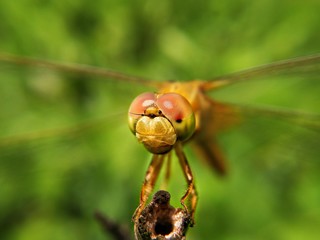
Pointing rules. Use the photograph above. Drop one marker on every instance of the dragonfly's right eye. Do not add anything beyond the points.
(138, 107)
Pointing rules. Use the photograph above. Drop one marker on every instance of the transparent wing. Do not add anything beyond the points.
(286, 90)
(76, 68)
(307, 66)
(282, 102)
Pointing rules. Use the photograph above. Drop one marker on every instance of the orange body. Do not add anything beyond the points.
(209, 120)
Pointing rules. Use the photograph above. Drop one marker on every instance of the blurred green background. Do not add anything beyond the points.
(51, 182)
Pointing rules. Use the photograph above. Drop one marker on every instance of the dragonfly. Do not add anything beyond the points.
(197, 117)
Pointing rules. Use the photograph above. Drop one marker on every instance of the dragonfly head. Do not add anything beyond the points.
(159, 120)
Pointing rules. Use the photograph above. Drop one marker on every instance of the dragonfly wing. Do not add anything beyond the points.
(81, 69)
(253, 120)
(273, 138)
(305, 66)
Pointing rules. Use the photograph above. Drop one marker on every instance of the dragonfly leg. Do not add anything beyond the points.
(191, 190)
(149, 182)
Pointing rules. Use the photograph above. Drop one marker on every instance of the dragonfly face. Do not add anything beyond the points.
(159, 120)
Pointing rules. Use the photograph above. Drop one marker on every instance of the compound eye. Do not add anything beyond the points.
(179, 111)
(138, 107)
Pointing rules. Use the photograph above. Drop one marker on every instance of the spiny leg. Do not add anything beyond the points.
(191, 190)
(149, 182)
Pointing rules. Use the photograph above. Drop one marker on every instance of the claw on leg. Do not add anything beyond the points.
(191, 193)
(149, 182)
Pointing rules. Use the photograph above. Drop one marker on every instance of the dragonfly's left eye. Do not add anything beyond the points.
(138, 107)
(179, 112)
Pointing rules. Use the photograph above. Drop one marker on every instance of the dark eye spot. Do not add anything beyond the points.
(179, 120)
(159, 112)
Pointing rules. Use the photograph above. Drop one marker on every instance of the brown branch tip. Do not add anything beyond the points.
(159, 220)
